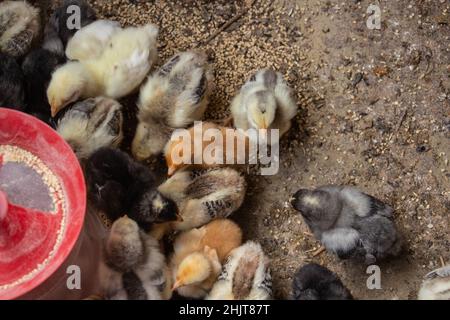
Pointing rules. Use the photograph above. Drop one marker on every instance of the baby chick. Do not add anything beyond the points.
(264, 102)
(199, 254)
(63, 18)
(133, 267)
(174, 97)
(436, 285)
(119, 185)
(52, 41)
(245, 276)
(91, 41)
(119, 70)
(12, 91)
(204, 195)
(314, 282)
(349, 222)
(19, 27)
(92, 124)
(175, 148)
(37, 68)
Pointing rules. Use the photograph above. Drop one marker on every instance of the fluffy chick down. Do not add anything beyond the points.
(92, 124)
(204, 195)
(199, 254)
(245, 275)
(349, 222)
(173, 97)
(133, 267)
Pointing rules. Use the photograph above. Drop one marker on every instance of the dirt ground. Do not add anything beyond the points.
(374, 111)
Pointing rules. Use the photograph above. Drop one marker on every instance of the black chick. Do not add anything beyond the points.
(314, 282)
(349, 222)
(38, 67)
(12, 91)
(62, 17)
(119, 185)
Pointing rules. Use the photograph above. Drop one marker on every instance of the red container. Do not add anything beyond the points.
(51, 236)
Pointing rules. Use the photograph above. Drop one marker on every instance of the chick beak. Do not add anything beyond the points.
(54, 109)
(176, 285)
(171, 171)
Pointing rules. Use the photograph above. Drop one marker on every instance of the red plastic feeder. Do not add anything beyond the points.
(42, 202)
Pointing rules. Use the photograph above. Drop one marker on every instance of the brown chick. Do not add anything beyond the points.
(176, 158)
(199, 254)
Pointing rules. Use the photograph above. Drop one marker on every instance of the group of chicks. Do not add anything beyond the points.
(73, 78)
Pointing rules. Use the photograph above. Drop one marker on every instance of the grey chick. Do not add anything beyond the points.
(133, 267)
(63, 18)
(436, 285)
(173, 97)
(92, 124)
(12, 90)
(349, 222)
(314, 282)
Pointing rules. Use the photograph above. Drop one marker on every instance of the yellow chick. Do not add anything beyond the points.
(199, 254)
(264, 102)
(175, 148)
(19, 27)
(119, 70)
(92, 124)
(174, 97)
(202, 196)
(245, 276)
(90, 42)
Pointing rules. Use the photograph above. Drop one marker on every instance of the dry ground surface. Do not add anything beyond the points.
(374, 111)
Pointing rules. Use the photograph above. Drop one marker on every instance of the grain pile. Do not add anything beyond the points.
(265, 36)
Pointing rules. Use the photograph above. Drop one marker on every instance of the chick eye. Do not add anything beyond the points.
(253, 78)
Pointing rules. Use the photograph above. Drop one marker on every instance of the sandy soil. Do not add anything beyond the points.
(374, 111)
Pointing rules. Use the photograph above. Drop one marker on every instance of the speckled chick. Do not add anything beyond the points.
(204, 195)
(436, 285)
(92, 124)
(133, 268)
(173, 97)
(245, 275)
(19, 27)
